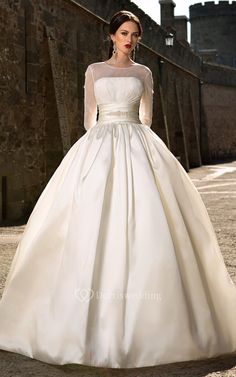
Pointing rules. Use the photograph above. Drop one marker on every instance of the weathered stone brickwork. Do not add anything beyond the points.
(220, 119)
(213, 31)
(45, 48)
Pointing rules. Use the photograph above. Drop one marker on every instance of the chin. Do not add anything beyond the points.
(129, 53)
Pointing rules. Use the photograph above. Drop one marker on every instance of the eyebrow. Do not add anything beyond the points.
(128, 31)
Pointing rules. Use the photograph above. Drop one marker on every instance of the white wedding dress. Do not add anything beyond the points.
(119, 265)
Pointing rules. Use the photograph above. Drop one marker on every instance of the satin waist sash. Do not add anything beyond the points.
(119, 112)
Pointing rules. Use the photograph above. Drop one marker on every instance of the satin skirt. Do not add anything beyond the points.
(119, 264)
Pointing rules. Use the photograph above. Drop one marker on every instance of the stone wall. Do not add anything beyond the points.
(31, 142)
(219, 112)
(44, 51)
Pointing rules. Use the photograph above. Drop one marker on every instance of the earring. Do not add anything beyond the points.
(114, 48)
(134, 50)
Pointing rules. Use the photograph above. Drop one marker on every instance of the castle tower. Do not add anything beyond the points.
(167, 14)
(181, 27)
(213, 31)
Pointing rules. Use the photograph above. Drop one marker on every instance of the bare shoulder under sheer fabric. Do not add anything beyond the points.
(119, 265)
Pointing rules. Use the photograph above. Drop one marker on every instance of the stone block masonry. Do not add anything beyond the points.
(213, 31)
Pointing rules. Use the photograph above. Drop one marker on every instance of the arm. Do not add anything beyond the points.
(146, 102)
(90, 104)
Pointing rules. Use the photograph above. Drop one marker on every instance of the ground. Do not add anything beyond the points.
(217, 186)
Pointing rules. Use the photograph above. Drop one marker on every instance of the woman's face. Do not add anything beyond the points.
(126, 37)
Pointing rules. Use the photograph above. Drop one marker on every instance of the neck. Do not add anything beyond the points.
(121, 60)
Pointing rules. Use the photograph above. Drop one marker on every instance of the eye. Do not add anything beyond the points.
(123, 33)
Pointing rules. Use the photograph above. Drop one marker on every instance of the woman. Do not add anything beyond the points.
(119, 265)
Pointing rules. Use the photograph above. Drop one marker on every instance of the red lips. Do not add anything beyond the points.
(127, 46)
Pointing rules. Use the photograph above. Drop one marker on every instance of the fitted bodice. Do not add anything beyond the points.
(118, 90)
(117, 93)
(118, 98)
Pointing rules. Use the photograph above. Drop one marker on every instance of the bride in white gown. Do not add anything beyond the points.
(119, 265)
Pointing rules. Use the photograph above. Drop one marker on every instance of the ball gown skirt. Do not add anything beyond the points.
(119, 265)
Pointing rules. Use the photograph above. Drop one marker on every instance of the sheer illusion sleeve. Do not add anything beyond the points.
(90, 104)
(146, 102)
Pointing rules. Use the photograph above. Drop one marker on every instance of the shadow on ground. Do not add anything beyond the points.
(12, 364)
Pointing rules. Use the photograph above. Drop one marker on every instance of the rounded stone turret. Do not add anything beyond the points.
(213, 31)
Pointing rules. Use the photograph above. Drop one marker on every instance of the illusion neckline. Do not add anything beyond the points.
(109, 65)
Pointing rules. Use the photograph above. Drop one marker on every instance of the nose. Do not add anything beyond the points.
(129, 39)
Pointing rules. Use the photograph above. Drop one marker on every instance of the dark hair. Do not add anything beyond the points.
(117, 20)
